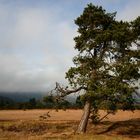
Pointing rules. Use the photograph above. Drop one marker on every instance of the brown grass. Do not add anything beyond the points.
(19, 124)
(34, 114)
(62, 115)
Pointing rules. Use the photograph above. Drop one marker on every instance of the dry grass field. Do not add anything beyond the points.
(30, 125)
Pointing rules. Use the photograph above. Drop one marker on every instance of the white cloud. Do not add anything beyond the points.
(30, 26)
(36, 45)
(130, 11)
(16, 76)
(36, 49)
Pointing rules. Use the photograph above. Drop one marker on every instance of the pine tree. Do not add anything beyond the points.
(107, 65)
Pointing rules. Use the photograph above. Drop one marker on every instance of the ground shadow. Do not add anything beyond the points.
(130, 128)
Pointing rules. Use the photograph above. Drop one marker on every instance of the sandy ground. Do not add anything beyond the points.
(62, 115)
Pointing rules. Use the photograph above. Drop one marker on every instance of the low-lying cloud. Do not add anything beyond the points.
(36, 44)
(36, 49)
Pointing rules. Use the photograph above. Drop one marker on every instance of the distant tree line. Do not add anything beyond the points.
(48, 102)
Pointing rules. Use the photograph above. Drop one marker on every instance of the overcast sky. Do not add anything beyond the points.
(36, 39)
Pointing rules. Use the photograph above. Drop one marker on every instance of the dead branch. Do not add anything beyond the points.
(137, 93)
(62, 92)
(137, 43)
(105, 116)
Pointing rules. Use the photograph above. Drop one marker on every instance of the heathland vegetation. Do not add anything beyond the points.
(107, 65)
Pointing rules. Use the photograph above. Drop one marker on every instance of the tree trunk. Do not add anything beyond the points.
(84, 120)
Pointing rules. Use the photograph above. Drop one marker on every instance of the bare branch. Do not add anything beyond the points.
(105, 116)
(64, 91)
(137, 93)
(137, 43)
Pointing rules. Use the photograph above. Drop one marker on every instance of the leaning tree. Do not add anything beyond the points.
(107, 65)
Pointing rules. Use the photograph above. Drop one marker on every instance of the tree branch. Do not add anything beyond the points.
(137, 93)
(105, 116)
(64, 91)
(137, 43)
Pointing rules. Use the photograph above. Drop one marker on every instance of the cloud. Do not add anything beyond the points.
(36, 48)
(29, 26)
(36, 41)
(16, 76)
(130, 11)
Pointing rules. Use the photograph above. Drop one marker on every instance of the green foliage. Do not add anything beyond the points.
(79, 103)
(51, 102)
(107, 63)
(48, 102)
(6, 103)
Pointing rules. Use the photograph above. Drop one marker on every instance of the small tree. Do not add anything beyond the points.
(107, 65)
(49, 101)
